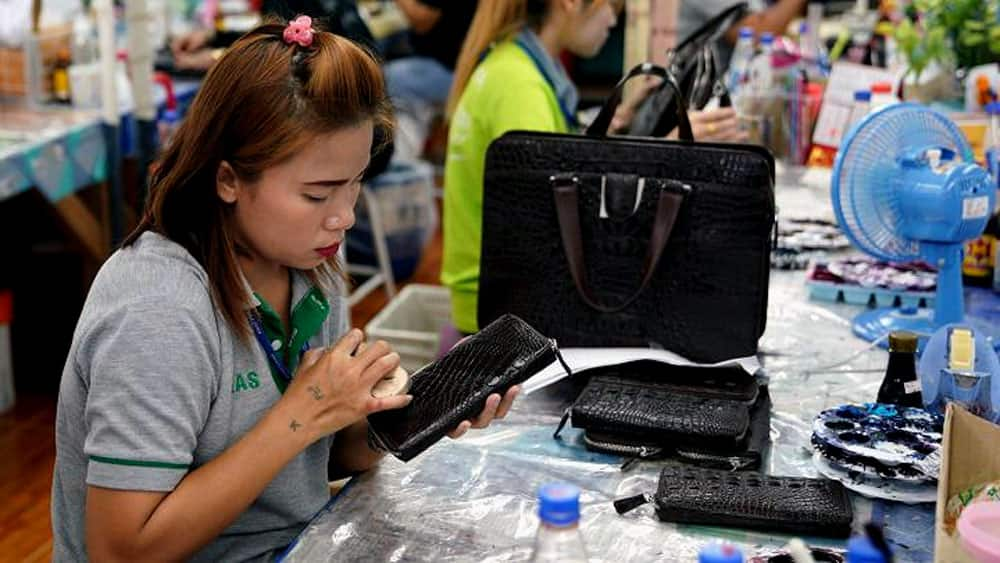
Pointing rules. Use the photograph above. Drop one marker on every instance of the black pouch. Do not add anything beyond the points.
(455, 387)
(797, 505)
(746, 455)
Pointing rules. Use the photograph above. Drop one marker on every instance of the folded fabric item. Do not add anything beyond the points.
(690, 495)
(455, 387)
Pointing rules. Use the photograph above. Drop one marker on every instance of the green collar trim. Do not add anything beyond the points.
(308, 316)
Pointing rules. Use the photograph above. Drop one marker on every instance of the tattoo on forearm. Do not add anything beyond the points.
(316, 391)
(294, 425)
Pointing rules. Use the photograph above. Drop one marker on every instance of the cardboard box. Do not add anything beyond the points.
(27, 70)
(970, 456)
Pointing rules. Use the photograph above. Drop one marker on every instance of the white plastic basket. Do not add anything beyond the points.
(412, 324)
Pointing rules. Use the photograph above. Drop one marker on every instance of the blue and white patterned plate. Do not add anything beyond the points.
(886, 434)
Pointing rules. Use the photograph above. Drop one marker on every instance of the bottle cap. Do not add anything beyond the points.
(902, 341)
(803, 28)
(881, 88)
(559, 504)
(992, 108)
(746, 33)
(860, 549)
(720, 552)
(862, 96)
(767, 38)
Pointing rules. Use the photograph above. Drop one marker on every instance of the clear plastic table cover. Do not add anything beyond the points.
(473, 499)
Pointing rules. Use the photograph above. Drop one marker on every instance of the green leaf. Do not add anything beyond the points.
(973, 39)
(974, 25)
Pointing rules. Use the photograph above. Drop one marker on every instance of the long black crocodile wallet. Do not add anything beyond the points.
(798, 505)
(646, 410)
(455, 387)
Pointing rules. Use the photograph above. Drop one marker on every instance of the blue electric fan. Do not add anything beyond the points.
(905, 187)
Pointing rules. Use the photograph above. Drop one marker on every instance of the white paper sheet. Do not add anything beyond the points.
(580, 359)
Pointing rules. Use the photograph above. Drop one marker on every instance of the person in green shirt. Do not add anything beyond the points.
(508, 77)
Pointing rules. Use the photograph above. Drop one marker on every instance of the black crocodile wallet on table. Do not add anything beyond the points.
(640, 410)
(797, 505)
(455, 387)
(724, 383)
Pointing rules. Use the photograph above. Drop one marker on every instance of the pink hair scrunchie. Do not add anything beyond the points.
(299, 31)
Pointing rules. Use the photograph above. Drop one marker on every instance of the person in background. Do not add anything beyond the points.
(774, 19)
(418, 84)
(212, 384)
(718, 125)
(199, 49)
(508, 76)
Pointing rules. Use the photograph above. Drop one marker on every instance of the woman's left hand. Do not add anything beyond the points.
(496, 407)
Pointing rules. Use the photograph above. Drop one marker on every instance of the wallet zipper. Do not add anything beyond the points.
(634, 453)
(737, 463)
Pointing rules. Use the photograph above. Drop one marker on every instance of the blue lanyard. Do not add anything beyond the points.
(276, 361)
(570, 116)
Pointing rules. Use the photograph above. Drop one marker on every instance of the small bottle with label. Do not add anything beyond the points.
(901, 386)
(60, 77)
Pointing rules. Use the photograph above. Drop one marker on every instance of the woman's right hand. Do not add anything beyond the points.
(716, 125)
(332, 387)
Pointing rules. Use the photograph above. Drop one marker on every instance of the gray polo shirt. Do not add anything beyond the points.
(156, 385)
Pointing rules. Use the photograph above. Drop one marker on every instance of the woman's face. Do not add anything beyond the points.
(296, 214)
(588, 27)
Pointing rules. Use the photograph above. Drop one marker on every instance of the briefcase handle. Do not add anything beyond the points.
(599, 127)
(565, 187)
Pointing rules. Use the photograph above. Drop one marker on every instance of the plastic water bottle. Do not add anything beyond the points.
(807, 45)
(739, 65)
(761, 77)
(992, 150)
(862, 101)
(719, 552)
(558, 537)
(882, 96)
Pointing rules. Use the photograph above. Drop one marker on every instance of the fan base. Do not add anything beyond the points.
(876, 324)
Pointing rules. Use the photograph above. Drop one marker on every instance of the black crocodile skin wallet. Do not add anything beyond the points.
(725, 383)
(747, 456)
(645, 410)
(797, 505)
(455, 387)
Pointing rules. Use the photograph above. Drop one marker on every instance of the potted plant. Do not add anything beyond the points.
(949, 37)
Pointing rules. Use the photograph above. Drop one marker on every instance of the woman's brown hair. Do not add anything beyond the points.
(260, 103)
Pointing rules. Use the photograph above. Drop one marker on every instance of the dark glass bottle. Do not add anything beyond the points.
(901, 386)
